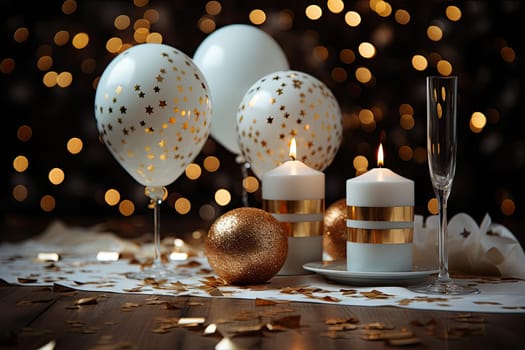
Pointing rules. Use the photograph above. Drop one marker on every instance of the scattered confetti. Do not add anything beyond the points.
(27, 280)
(48, 256)
(129, 306)
(86, 301)
(264, 302)
(376, 294)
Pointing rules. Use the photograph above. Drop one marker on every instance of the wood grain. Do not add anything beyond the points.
(34, 316)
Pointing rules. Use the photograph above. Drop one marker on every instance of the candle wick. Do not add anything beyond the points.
(292, 157)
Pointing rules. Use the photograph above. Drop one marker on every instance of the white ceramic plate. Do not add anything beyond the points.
(337, 272)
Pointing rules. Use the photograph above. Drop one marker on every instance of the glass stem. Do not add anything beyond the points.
(157, 260)
(244, 171)
(157, 194)
(442, 236)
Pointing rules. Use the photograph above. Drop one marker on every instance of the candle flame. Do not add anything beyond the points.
(380, 156)
(293, 149)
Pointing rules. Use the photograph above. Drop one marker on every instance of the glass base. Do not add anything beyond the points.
(448, 287)
(157, 273)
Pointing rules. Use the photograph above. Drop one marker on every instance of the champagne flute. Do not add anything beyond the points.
(441, 94)
(153, 109)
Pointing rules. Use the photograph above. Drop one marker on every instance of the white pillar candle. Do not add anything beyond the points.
(379, 221)
(380, 187)
(293, 180)
(294, 194)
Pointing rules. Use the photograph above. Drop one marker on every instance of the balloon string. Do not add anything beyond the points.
(244, 170)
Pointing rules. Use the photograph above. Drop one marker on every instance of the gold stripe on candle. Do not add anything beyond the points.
(301, 206)
(400, 213)
(303, 228)
(375, 236)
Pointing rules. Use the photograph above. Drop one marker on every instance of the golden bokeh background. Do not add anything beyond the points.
(373, 55)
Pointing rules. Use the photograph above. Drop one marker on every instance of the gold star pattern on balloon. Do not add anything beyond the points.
(286, 105)
(163, 110)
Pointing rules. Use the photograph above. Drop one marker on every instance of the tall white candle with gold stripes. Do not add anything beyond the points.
(294, 194)
(379, 221)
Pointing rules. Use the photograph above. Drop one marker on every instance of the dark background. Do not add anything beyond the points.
(490, 165)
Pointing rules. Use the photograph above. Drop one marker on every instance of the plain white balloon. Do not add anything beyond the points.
(284, 105)
(153, 112)
(232, 58)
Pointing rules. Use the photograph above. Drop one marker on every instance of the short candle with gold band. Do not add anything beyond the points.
(294, 194)
(380, 221)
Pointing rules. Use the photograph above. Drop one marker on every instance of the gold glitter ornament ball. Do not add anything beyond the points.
(246, 246)
(334, 239)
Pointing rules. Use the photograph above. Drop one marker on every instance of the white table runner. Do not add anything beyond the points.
(78, 268)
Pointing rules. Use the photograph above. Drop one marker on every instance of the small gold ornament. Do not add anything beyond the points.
(246, 246)
(334, 239)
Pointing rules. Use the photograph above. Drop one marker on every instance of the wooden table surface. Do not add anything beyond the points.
(33, 317)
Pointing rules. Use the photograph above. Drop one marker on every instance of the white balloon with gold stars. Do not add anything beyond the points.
(153, 111)
(285, 105)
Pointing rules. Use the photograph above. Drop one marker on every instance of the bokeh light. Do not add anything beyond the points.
(402, 16)
(47, 203)
(21, 163)
(69, 7)
(352, 18)
(122, 22)
(250, 184)
(112, 197)
(257, 17)
(182, 205)
(453, 13)
(20, 193)
(80, 40)
(206, 24)
(222, 197)
(434, 33)
(74, 145)
(126, 207)
(477, 122)
(419, 62)
(193, 171)
(508, 207)
(213, 8)
(373, 55)
(211, 164)
(367, 50)
(313, 12)
(433, 206)
(56, 176)
(360, 163)
(21, 34)
(335, 6)
(363, 75)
